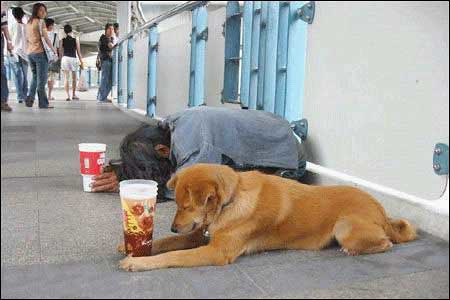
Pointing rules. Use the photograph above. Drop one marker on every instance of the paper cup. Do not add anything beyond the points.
(87, 181)
(92, 158)
(138, 198)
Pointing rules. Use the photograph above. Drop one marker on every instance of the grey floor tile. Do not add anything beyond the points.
(18, 165)
(316, 274)
(219, 282)
(430, 255)
(422, 285)
(51, 281)
(21, 146)
(16, 185)
(19, 229)
(57, 166)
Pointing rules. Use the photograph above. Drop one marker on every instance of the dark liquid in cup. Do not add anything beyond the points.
(138, 226)
(138, 244)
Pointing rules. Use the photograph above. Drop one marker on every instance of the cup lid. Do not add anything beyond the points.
(92, 147)
(138, 189)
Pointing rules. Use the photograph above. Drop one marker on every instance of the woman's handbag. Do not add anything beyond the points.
(55, 67)
(51, 56)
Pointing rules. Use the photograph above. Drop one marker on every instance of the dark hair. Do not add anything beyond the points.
(140, 159)
(49, 22)
(116, 25)
(34, 14)
(67, 28)
(107, 26)
(18, 13)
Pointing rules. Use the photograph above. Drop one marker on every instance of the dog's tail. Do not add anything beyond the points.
(400, 231)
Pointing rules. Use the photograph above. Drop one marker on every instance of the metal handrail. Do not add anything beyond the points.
(190, 5)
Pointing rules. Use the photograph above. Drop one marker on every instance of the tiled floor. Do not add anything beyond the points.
(59, 242)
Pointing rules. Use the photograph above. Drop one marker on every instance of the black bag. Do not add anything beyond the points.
(98, 62)
(55, 66)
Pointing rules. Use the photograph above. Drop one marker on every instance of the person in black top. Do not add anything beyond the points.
(105, 48)
(69, 48)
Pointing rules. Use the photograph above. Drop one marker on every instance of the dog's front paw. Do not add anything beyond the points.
(131, 264)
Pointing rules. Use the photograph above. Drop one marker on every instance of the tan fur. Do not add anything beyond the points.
(250, 212)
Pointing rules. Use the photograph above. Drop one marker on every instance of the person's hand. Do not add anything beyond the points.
(106, 182)
(10, 46)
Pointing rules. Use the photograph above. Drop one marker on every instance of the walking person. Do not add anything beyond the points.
(70, 64)
(116, 33)
(37, 56)
(9, 46)
(19, 58)
(53, 68)
(105, 47)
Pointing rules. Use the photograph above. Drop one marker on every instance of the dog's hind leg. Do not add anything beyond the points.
(359, 236)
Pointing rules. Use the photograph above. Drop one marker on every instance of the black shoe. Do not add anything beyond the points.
(29, 102)
(46, 107)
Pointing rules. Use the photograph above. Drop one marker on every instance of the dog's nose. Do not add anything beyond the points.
(174, 229)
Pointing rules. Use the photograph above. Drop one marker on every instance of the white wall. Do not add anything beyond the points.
(173, 63)
(376, 91)
(173, 70)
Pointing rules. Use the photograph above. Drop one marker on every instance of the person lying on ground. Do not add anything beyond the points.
(242, 139)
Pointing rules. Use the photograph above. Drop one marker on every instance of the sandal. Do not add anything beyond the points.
(68, 99)
(75, 98)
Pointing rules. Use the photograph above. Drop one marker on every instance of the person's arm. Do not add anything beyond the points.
(61, 50)
(4, 24)
(79, 52)
(7, 36)
(47, 40)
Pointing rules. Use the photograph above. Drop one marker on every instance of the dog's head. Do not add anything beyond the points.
(201, 191)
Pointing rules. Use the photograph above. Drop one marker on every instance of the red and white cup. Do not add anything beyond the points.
(92, 159)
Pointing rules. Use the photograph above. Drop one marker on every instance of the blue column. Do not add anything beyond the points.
(282, 51)
(246, 52)
(151, 75)
(192, 61)
(130, 74)
(256, 26)
(262, 54)
(199, 36)
(89, 77)
(114, 65)
(232, 52)
(119, 74)
(296, 61)
(270, 74)
(202, 36)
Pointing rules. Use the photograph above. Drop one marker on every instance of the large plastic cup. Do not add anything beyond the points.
(92, 159)
(138, 198)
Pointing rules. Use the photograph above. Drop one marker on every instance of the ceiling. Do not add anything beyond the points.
(84, 16)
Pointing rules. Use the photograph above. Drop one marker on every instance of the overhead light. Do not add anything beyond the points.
(90, 19)
(73, 7)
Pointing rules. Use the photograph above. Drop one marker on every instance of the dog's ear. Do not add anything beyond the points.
(226, 182)
(172, 182)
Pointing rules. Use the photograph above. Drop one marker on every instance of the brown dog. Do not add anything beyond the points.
(250, 212)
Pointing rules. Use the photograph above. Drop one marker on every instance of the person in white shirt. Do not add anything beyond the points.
(19, 55)
(53, 68)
